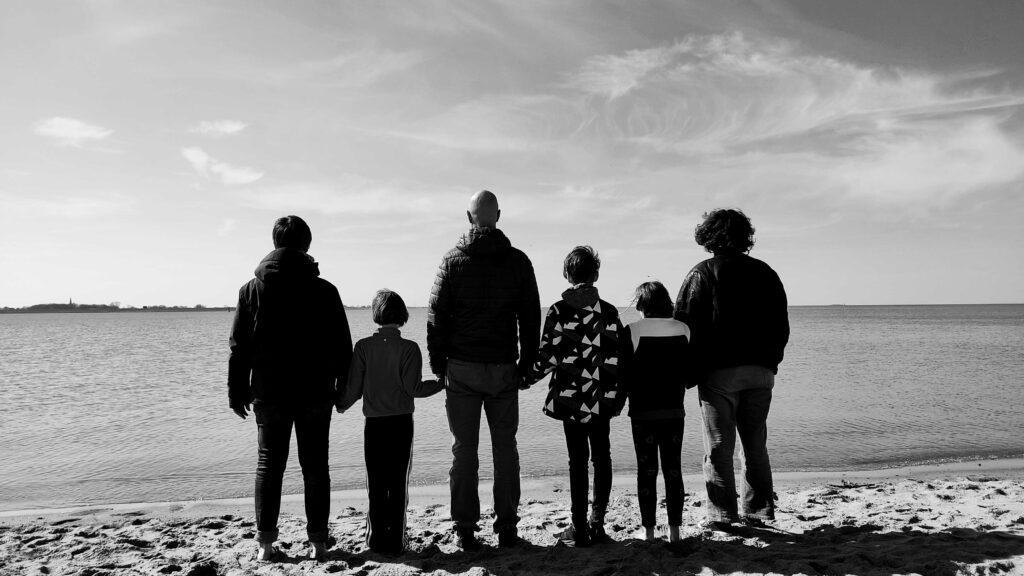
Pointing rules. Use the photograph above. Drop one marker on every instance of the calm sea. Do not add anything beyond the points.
(132, 407)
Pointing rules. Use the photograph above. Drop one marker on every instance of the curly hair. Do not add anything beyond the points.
(725, 231)
(389, 308)
(581, 265)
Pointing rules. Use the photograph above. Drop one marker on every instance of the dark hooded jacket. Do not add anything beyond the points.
(580, 345)
(736, 309)
(483, 301)
(290, 342)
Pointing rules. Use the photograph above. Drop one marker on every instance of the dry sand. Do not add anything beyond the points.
(957, 519)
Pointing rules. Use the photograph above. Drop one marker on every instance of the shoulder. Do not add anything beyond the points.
(608, 309)
(658, 328)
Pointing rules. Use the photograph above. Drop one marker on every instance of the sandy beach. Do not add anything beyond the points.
(965, 518)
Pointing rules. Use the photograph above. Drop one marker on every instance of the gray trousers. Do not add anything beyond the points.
(493, 387)
(737, 400)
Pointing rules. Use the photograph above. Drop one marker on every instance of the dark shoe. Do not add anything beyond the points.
(508, 538)
(754, 522)
(597, 533)
(467, 539)
(581, 536)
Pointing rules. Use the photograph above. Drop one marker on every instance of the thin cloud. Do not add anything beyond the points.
(227, 227)
(70, 131)
(208, 166)
(218, 127)
(350, 194)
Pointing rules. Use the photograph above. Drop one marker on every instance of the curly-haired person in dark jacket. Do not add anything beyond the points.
(484, 302)
(736, 308)
(290, 354)
(580, 345)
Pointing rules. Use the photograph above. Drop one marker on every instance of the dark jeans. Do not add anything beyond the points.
(651, 437)
(493, 387)
(312, 426)
(590, 440)
(737, 400)
(387, 448)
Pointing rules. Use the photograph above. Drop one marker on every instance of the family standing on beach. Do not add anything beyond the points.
(292, 361)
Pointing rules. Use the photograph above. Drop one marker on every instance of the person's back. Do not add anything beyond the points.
(736, 306)
(483, 301)
(474, 314)
(655, 367)
(290, 352)
(297, 327)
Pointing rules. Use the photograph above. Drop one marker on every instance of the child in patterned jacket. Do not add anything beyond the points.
(580, 345)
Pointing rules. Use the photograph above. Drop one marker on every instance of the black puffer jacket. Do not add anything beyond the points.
(736, 308)
(290, 342)
(485, 292)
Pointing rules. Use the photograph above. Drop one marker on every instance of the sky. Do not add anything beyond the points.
(146, 147)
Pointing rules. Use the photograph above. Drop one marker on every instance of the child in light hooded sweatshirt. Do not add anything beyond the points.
(386, 372)
(580, 345)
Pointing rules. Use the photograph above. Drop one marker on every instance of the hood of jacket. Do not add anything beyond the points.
(287, 264)
(581, 296)
(484, 242)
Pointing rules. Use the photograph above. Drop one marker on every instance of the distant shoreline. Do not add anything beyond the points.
(103, 308)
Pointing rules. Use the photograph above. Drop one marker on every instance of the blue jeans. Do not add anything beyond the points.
(312, 426)
(737, 400)
(494, 387)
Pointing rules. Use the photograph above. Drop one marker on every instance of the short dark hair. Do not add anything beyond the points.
(292, 232)
(581, 265)
(725, 231)
(389, 308)
(653, 300)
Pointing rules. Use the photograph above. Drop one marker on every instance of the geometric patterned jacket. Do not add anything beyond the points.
(580, 345)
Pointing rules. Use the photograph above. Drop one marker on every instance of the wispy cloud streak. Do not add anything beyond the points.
(218, 127)
(208, 166)
(70, 131)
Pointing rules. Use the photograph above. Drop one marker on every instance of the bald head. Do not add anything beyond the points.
(483, 209)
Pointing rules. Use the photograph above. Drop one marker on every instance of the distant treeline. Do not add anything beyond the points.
(72, 307)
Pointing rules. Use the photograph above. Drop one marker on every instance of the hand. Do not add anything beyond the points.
(241, 409)
(442, 380)
(523, 383)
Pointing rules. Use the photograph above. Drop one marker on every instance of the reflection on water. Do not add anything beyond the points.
(133, 406)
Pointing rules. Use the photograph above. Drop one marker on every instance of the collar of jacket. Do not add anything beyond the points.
(283, 263)
(484, 241)
(386, 331)
(581, 295)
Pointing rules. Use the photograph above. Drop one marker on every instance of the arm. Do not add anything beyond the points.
(353, 389)
(619, 384)
(240, 359)
(693, 307)
(344, 346)
(439, 321)
(529, 319)
(547, 358)
(780, 322)
(412, 374)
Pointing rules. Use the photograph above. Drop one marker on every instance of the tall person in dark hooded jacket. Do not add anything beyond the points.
(484, 301)
(290, 353)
